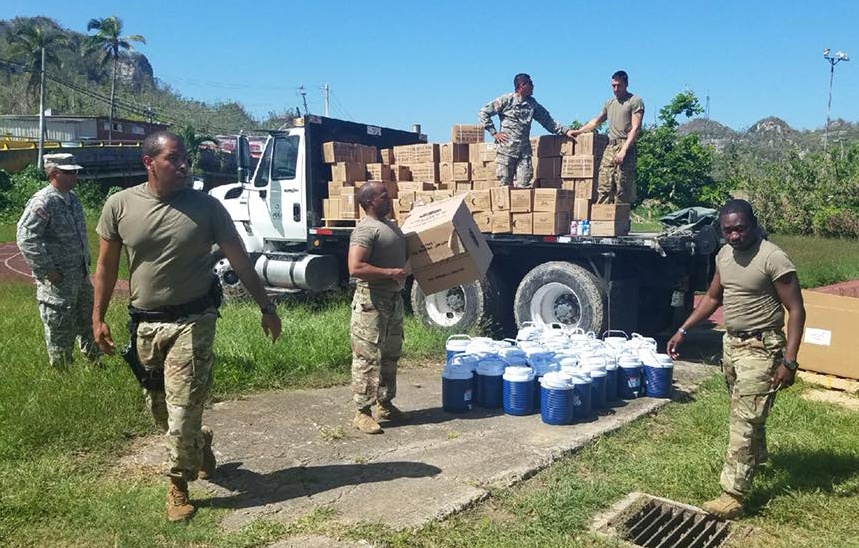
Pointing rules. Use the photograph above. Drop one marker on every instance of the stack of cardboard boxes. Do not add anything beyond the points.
(564, 185)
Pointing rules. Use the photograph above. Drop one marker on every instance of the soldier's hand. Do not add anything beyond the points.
(783, 378)
(673, 343)
(571, 133)
(271, 326)
(398, 274)
(103, 338)
(618, 158)
(500, 137)
(54, 277)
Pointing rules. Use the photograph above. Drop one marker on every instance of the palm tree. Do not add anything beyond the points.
(109, 41)
(26, 43)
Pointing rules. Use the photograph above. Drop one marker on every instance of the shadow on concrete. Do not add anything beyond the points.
(436, 415)
(255, 489)
(810, 471)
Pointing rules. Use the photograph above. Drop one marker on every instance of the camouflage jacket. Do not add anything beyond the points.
(516, 115)
(52, 234)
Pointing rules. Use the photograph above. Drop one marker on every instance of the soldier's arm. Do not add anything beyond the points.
(106, 272)
(545, 119)
(485, 116)
(592, 124)
(637, 118)
(31, 241)
(790, 295)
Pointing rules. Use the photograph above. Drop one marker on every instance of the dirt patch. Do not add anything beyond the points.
(832, 396)
(13, 268)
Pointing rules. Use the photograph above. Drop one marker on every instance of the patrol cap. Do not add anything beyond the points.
(63, 161)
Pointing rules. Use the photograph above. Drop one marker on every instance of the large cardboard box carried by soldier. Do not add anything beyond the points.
(444, 246)
(828, 341)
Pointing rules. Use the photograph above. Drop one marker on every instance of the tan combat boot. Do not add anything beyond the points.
(364, 422)
(387, 411)
(178, 507)
(209, 464)
(727, 506)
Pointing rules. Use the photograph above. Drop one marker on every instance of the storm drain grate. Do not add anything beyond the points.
(649, 522)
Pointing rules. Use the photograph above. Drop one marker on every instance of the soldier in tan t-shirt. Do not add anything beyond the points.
(754, 281)
(624, 112)
(377, 258)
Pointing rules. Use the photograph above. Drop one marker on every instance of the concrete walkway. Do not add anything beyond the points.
(283, 454)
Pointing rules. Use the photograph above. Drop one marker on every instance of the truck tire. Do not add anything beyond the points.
(483, 305)
(561, 292)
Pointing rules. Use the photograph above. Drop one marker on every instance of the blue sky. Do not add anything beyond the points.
(395, 63)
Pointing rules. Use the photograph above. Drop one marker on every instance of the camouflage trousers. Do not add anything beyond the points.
(748, 365)
(514, 170)
(66, 312)
(616, 183)
(377, 342)
(183, 349)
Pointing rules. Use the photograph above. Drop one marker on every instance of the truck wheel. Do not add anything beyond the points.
(561, 292)
(234, 289)
(482, 305)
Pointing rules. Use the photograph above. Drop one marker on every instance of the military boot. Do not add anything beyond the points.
(178, 506)
(209, 464)
(726, 506)
(387, 411)
(364, 422)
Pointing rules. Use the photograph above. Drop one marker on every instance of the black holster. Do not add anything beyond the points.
(150, 379)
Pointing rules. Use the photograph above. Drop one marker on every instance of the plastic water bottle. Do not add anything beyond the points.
(574, 228)
(586, 228)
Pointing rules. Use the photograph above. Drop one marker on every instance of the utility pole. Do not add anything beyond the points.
(833, 60)
(325, 97)
(303, 94)
(39, 162)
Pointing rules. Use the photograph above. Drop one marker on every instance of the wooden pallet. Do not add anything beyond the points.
(342, 223)
(832, 382)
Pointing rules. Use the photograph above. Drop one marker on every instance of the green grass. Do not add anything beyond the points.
(821, 261)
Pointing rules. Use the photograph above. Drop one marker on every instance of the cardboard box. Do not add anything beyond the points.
(466, 133)
(400, 173)
(552, 200)
(500, 198)
(331, 208)
(334, 188)
(462, 187)
(521, 201)
(568, 184)
(577, 167)
(442, 194)
(387, 156)
(487, 152)
(379, 172)
(828, 342)
(615, 227)
(461, 171)
(502, 222)
(483, 220)
(427, 172)
(367, 154)
(483, 184)
(478, 200)
(586, 188)
(424, 198)
(568, 147)
(609, 212)
(333, 152)
(444, 246)
(445, 172)
(551, 224)
(348, 172)
(547, 146)
(416, 186)
(581, 209)
(548, 183)
(591, 143)
(522, 223)
(484, 171)
(402, 154)
(453, 152)
(426, 153)
(349, 208)
(406, 199)
(546, 168)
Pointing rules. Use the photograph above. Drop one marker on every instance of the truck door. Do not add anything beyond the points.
(276, 201)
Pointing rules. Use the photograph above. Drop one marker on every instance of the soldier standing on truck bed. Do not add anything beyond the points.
(52, 238)
(377, 258)
(624, 112)
(515, 112)
(755, 281)
(168, 229)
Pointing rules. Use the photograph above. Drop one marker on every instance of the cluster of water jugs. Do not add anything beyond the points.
(566, 375)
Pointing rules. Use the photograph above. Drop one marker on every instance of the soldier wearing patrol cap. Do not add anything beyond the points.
(52, 238)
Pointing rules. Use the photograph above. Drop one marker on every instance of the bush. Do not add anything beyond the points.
(16, 190)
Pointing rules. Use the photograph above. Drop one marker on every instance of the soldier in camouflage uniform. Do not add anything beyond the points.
(624, 112)
(52, 238)
(168, 230)
(513, 149)
(754, 281)
(377, 257)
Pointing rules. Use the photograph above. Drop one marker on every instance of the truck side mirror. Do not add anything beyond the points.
(243, 158)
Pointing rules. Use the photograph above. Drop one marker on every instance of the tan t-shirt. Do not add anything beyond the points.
(168, 242)
(387, 246)
(749, 296)
(619, 114)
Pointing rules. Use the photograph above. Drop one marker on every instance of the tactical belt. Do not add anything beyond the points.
(743, 335)
(212, 299)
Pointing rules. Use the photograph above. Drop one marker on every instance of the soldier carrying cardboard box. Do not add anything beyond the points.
(516, 111)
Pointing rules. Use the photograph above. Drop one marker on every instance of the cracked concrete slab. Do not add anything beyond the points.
(284, 454)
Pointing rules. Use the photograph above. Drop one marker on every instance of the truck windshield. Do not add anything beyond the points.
(279, 160)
